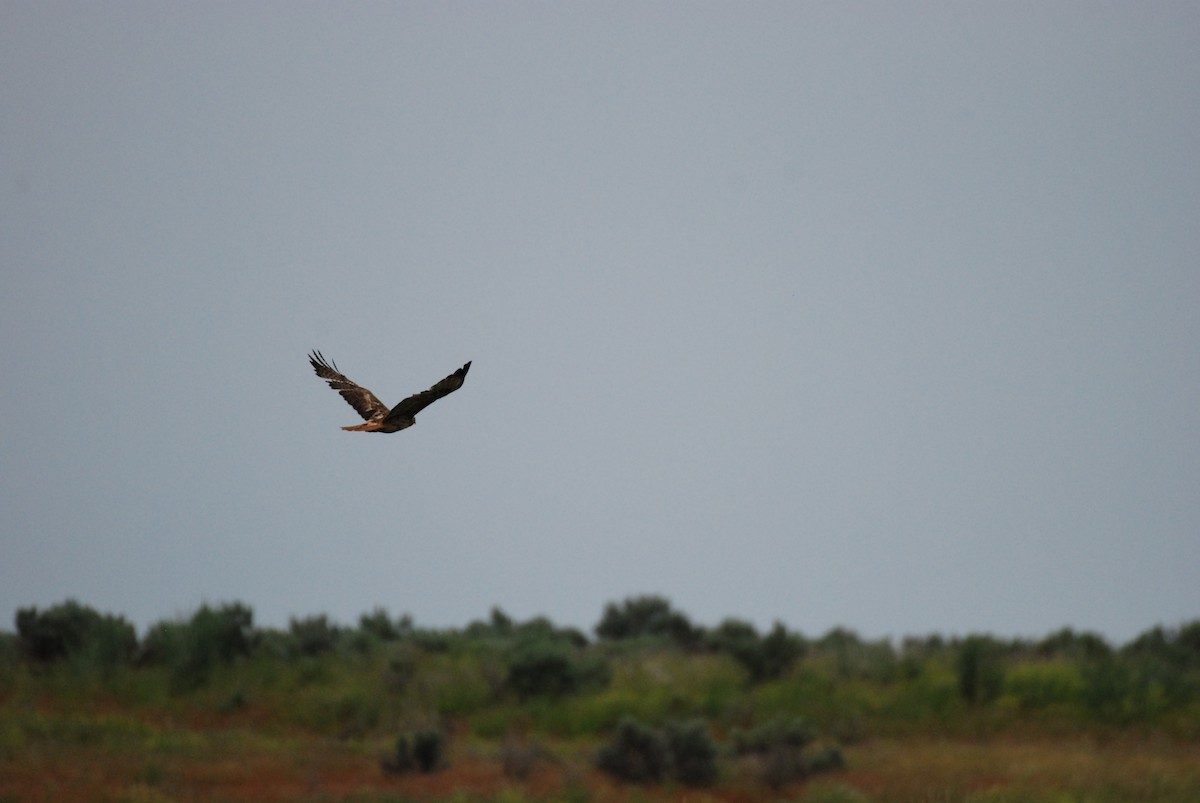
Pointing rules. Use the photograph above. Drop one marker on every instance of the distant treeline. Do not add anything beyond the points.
(839, 680)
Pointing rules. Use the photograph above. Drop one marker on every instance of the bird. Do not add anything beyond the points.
(376, 414)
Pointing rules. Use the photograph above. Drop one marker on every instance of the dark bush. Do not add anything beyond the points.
(541, 667)
(226, 631)
(980, 671)
(314, 635)
(764, 657)
(648, 616)
(71, 630)
(780, 651)
(1066, 643)
(684, 751)
(781, 747)
(193, 649)
(378, 625)
(421, 751)
(692, 751)
(739, 639)
(637, 753)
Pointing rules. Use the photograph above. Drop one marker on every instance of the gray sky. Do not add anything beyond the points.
(878, 315)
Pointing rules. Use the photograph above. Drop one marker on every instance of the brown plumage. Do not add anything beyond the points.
(378, 417)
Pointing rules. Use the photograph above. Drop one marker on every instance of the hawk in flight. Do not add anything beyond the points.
(378, 417)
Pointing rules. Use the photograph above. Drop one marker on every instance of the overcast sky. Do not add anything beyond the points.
(875, 315)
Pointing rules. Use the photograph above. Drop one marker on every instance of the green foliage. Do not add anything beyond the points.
(499, 673)
(192, 650)
(541, 667)
(1068, 645)
(637, 753)
(378, 625)
(683, 751)
(980, 674)
(764, 657)
(551, 667)
(851, 658)
(692, 751)
(70, 631)
(313, 635)
(1039, 685)
(648, 616)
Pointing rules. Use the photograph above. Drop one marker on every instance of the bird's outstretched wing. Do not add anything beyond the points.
(358, 397)
(417, 402)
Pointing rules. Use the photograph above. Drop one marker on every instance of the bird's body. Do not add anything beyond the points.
(376, 414)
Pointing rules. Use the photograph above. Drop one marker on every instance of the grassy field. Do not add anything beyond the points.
(111, 757)
(212, 710)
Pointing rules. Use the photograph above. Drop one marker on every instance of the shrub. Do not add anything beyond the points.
(421, 751)
(648, 616)
(692, 751)
(979, 672)
(779, 732)
(780, 651)
(541, 667)
(193, 649)
(71, 630)
(780, 745)
(1068, 644)
(637, 753)
(551, 667)
(314, 635)
(684, 751)
(1042, 684)
(765, 658)
(377, 624)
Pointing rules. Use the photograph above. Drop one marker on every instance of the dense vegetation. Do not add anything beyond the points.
(652, 699)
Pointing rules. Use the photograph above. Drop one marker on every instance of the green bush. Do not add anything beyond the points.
(692, 751)
(541, 668)
(648, 616)
(73, 631)
(1042, 684)
(764, 658)
(637, 753)
(980, 675)
(378, 625)
(779, 732)
(684, 751)
(313, 635)
(193, 649)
